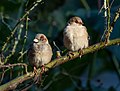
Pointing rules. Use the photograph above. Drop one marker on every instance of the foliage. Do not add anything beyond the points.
(50, 17)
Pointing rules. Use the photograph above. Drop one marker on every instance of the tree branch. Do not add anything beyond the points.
(111, 26)
(13, 83)
(20, 20)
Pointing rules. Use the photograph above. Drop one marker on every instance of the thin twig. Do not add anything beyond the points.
(17, 24)
(17, 64)
(111, 3)
(8, 26)
(105, 7)
(2, 76)
(110, 27)
(108, 20)
(22, 52)
(15, 44)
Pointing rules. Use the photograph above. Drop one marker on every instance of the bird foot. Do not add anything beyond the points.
(35, 70)
(70, 54)
(42, 71)
(36, 78)
(80, 52)
(42, 68)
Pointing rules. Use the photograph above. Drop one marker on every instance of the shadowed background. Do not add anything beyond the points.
(93, 72)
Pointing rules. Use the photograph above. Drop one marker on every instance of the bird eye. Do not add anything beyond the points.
(80, 22)
(42, 38)
(76, 21)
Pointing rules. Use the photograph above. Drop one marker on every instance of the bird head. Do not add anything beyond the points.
(76, 20)
(40, 38)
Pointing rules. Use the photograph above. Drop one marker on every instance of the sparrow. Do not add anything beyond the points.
(75, 36)
(40, 51)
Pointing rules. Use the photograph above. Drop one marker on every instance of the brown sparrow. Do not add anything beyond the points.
(40, 52)
(75, 35)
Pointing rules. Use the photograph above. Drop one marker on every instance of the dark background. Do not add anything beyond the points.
(93, 72)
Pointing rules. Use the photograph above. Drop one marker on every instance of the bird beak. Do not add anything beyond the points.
(35, 40)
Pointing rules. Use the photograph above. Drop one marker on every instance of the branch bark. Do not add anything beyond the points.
(56, 62)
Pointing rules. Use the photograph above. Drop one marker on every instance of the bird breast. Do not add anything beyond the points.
(75, 37)
(41, 54)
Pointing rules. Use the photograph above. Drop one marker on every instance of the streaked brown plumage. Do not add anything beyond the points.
(75, 35)
(40, 52)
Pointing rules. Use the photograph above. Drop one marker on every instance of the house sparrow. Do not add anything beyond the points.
(40, 52)
(75, 35)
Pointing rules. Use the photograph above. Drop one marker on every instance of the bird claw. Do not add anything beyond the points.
(35, 70)
(42, 71)
(70, 54)
(80, 52)
(36, 79)
(42, 68)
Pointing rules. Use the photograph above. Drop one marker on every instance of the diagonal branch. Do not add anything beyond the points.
(56, 62)
(20, 20)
